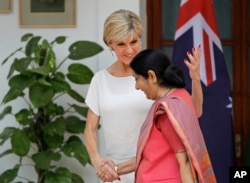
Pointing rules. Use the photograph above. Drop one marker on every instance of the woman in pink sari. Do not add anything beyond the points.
(171, 147)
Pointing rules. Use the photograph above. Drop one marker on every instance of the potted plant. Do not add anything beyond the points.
(46, 130)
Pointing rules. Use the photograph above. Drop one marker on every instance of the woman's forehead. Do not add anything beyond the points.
(130, 37)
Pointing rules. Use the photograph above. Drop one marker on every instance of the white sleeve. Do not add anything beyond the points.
(92, 98)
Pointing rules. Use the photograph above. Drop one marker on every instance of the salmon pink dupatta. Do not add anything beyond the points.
(185, 122)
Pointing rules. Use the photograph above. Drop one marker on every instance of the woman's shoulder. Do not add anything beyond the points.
(176, 97)
(179, 97)
(100, 74)
(180, 92)
(99, 77)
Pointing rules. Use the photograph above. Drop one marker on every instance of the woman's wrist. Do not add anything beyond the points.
(98, 162)
(116, 168)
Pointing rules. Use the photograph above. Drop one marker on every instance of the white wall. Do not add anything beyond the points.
(90, 18)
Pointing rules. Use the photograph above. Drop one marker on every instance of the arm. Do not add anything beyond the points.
(90, 139)
(124, 167)
(103, 171)
(176, 144)
(194, 71)
(185, 167)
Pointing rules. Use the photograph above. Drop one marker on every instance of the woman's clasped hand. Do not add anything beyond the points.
(106, 172)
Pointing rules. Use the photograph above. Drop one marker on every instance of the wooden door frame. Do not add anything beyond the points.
(154, 24)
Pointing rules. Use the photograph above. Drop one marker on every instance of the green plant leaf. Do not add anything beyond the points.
(38, 55)
(46, 44)
(76, 96)
(11, 95)
(76, 178)
(62, 175)
(20, 82)
(79, 74)
(74, 124)
(40, 95)
(6, 134)
(24, 117)
(43, 82)
(54, 109)
(59, 40)
(49, 56)
(59, 76)
(22, 64)
(19, 65)
(55, 156)
(20, 142)
(43, 159)
(13, 53)
(74, 138)
(7, 110)
(50, 60)
(80, 110)
(56, 127)
(31, 45)
(75, 148)
(83, 49)
(26, 37)
(8, 176)
(60, 110)
(60, 86)
(41, 70)
(51, 109)
(53, 141)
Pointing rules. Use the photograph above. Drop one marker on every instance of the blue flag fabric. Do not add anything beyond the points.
(197, 25)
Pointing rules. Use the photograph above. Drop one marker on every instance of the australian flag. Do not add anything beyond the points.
(197, 25)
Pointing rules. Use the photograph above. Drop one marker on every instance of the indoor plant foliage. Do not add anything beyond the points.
(39, 135)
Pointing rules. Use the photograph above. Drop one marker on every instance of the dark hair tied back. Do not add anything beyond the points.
(173, 76)
(157, 61)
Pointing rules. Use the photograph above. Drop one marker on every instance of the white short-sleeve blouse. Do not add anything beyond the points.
(122, 110)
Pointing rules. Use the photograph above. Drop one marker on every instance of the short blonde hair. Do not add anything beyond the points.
(120, 25)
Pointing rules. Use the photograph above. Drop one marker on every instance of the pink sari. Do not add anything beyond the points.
(184, 120)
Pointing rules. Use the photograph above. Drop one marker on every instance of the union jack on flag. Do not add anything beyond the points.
(197, 25)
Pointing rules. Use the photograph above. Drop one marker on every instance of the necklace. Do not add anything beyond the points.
(169, 89)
